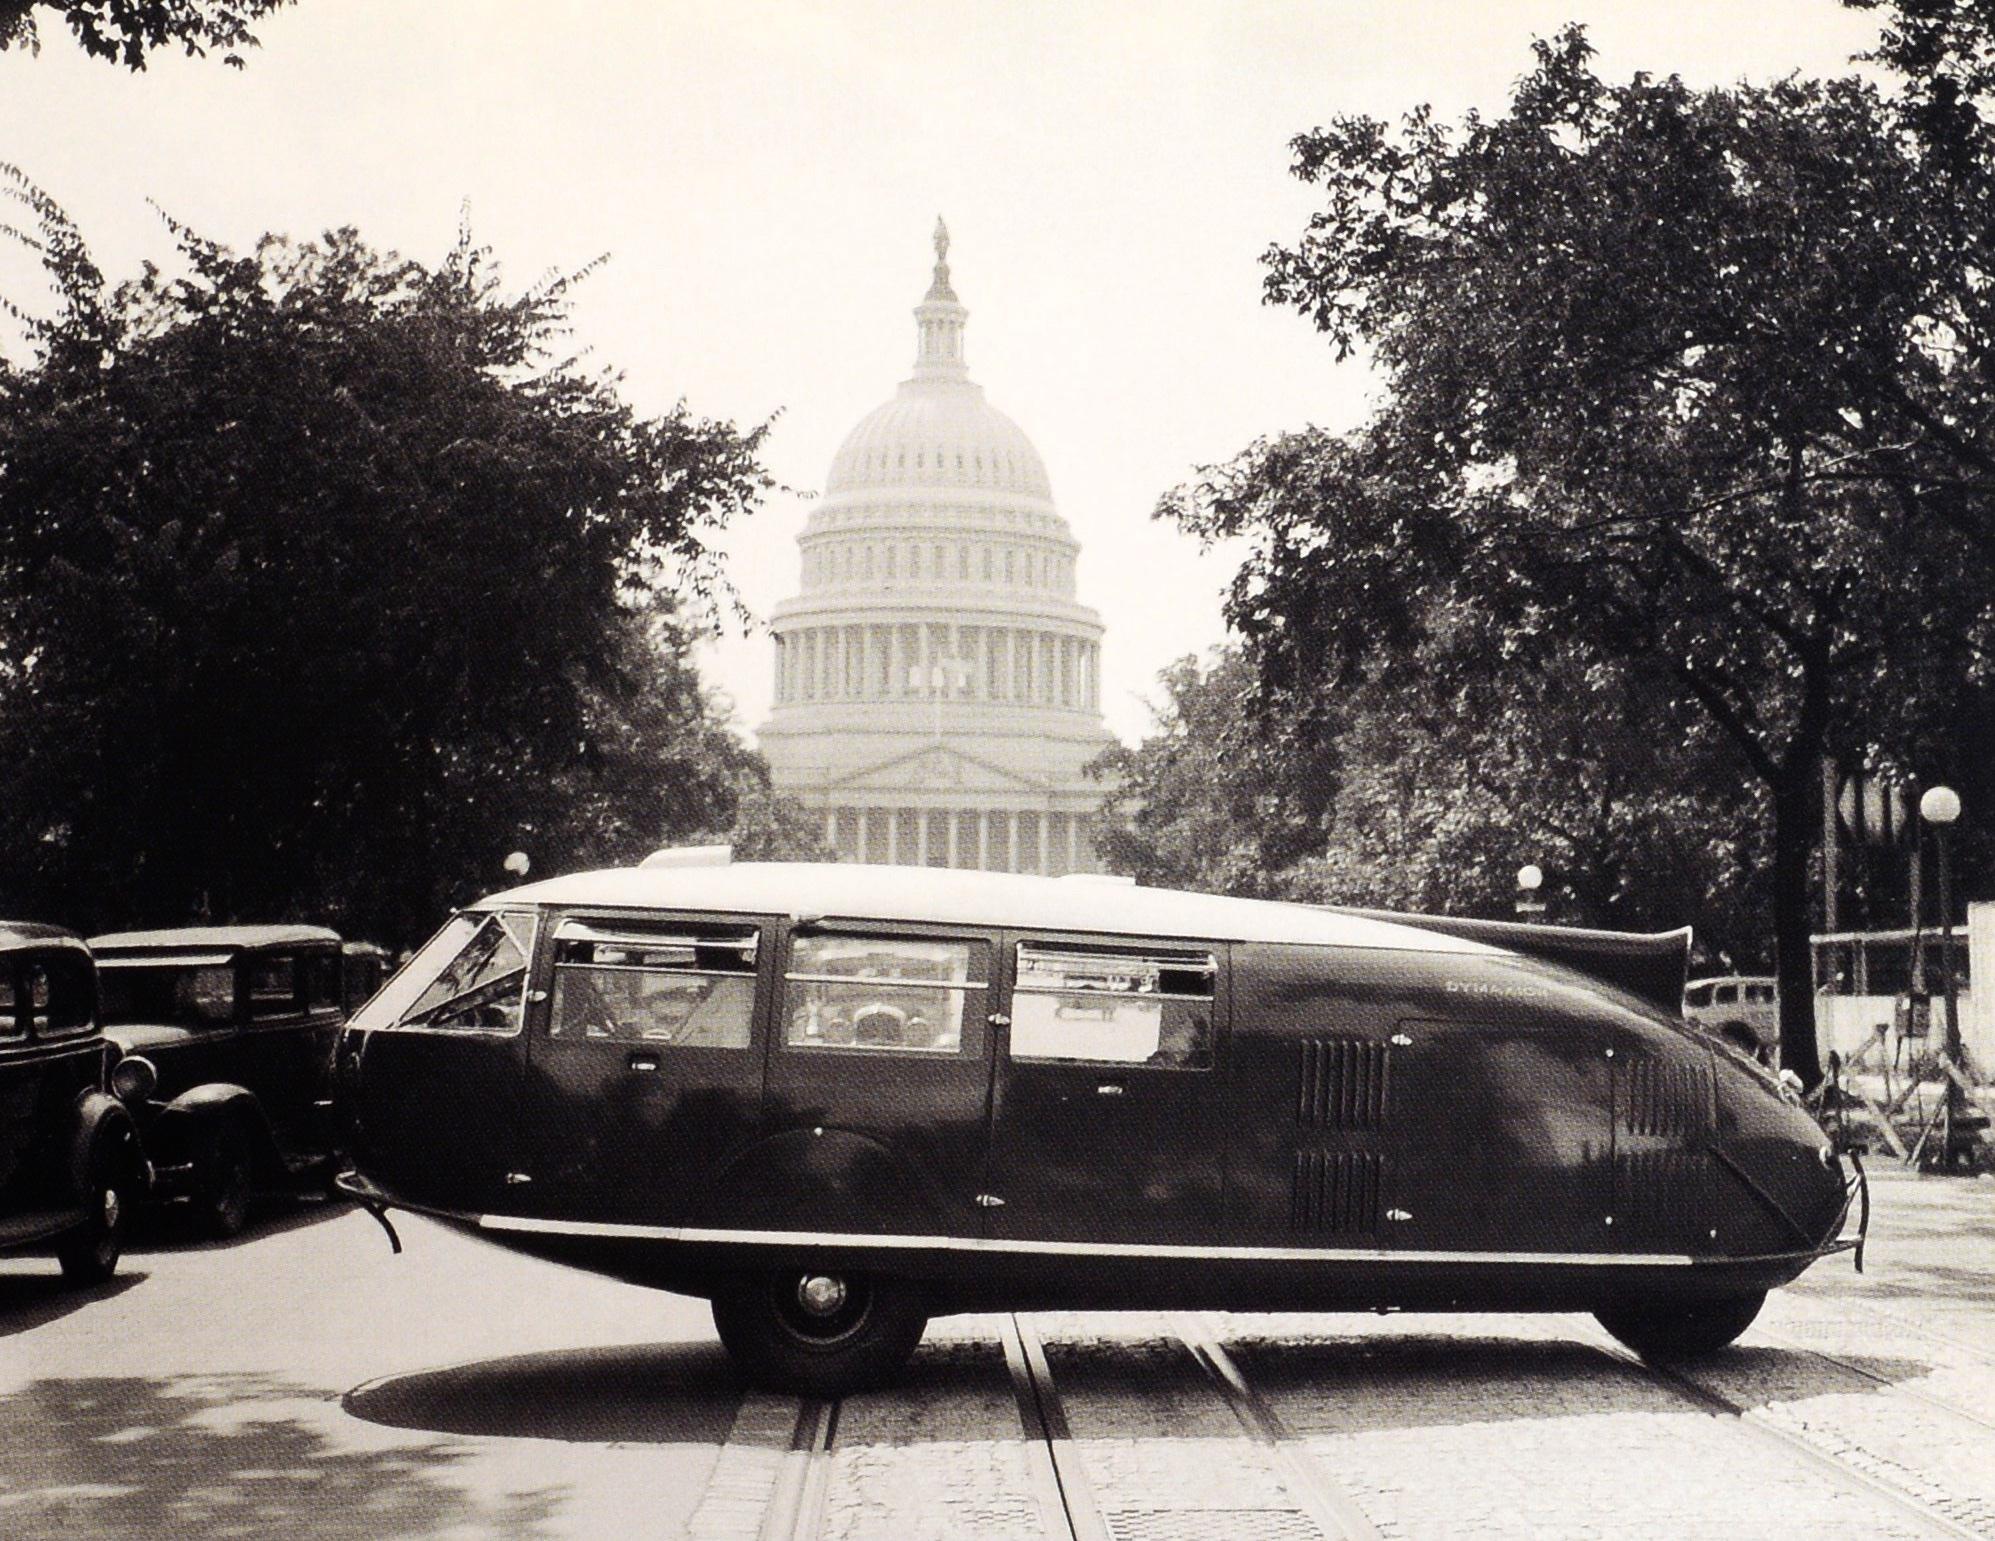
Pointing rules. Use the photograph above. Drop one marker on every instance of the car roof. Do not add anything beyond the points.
(19, 935)
(946, 896)
(211, 938)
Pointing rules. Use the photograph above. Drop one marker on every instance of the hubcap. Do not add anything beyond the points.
(112, 1208)
(821, 1294)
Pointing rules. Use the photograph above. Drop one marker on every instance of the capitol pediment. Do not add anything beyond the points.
(937, 768)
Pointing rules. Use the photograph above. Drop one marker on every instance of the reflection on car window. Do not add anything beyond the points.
(691, 987)
(479, 987)
(182, 995)
(273, 985)
(10, 1017)
(893, 994)
(1152, 1007)
(63, 996)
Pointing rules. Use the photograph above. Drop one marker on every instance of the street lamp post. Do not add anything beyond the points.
(1940, 807)
(1530, 879)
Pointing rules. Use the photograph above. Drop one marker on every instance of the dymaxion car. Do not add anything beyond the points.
(838, 1100)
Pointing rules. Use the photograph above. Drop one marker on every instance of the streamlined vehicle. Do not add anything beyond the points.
(838, 1100)
(71, 1169)
(236, 1026)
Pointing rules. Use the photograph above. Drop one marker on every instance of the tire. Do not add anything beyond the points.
(1686, 1329)
(223, 1192)
(89, 1254)
(820, 1334)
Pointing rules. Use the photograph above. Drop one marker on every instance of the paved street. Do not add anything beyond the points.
(304, 1382)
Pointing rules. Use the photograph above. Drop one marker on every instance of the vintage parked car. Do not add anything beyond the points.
(1742, 1009)
(838, 1100)
(237, 1023)
(365, 967)
(71, 1167)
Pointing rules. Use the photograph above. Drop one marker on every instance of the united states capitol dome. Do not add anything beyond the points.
(937, 690)
(938, 434)
(937, 430)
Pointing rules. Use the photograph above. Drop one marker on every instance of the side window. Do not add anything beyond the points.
(322, 980)
(1697, 995)
(63, 996)
(480, 987)
(688, 986)
(1725, 995)
(1152, 1006)
(10, 1007)
(273, 984)
(887, 993)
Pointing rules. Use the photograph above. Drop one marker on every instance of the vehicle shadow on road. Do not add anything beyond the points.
(30, 1300)
(649, 1393)
(225, 1455)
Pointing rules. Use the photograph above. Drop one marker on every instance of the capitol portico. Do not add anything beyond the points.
(937, 684)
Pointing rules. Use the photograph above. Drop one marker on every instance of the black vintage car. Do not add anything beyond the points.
(838, 1100)
(238, 1024)
(71, 1170)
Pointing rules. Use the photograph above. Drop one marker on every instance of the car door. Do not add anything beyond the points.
(644, 1074)
(431, 1069)
(878, 1086)
(1106, 1124)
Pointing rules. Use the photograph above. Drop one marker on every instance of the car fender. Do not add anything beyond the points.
(104, 1130)
(181, 1126)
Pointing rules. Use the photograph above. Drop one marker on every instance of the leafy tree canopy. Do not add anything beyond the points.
(1690, 379)
(327, 579)
(126, 31)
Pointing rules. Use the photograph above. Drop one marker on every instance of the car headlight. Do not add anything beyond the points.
(133, 1078)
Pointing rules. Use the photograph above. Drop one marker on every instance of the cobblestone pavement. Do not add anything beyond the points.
(303, 1382)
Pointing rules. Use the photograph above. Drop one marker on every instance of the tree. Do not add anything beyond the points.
(125, 31)
(1214, 799)
(1658, 362)
(1427, 746)
(326, 581)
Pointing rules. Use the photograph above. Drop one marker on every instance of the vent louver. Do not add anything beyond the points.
(1343, 1084)
(1335, 1192)
(1660, 1098)
(1661, 1186)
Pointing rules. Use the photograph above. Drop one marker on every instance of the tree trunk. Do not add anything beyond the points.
(1796, 790)
(1795, 798)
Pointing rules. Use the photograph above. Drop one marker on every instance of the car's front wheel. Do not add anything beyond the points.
(820, 1333)
(89, 1254)
(1681, 1329)
(223, 1193)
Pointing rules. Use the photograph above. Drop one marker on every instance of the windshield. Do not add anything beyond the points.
(471, 974)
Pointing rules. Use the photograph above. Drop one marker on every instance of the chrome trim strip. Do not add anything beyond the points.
(893, 980)
(610, 1230)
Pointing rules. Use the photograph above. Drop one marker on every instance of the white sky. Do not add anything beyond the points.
(765, 177)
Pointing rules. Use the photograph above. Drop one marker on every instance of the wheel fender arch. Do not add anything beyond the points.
(105, 1130)
(819, 1179)
(193, 1116)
